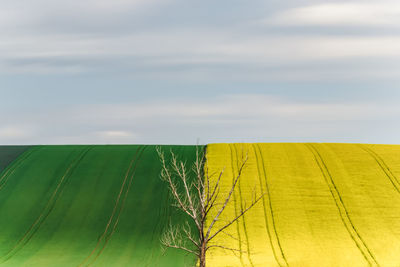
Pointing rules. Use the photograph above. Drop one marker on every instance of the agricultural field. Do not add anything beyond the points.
(86, 206)
(323, 205)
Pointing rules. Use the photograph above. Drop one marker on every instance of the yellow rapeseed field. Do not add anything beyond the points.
(324, 205)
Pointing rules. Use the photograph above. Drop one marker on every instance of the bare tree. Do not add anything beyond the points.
(195, 192)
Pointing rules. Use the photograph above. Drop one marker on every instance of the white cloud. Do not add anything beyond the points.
(114, 134)
(11, 133)
(382, 13)
(300, 48)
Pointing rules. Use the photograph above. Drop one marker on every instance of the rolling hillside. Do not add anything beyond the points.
(86, 206)
(324, 205)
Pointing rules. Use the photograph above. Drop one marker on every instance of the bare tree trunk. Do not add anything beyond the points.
(203, 255)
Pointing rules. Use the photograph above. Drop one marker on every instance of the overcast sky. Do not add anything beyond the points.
(182, 72)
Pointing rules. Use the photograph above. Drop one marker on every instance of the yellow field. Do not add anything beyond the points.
(324, 205)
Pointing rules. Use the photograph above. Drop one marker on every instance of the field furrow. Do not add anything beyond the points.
(121, 206)
(104, 234)
(393, 179)
(268, 210)
(237, 202)
(344, 214)
(242, 202)
(371, 199)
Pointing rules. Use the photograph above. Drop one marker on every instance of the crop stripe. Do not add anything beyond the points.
(114, 211)
(47, 209)
(395, 182)
(242, 208)
(235, 204)
(344, 215)
(14, 165)
(269, 212)
(120, 209)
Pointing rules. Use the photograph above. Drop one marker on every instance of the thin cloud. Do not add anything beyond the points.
(346, 13)
(43, 10)
(15, 133)
(115, 134)
(140, 54)
(208, 53)
(235, 117)
(238, 107)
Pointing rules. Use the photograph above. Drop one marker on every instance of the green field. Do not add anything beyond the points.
(86, 206)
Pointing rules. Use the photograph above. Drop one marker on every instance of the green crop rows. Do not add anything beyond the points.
(86, 206)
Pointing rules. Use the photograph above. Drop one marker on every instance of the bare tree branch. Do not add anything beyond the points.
(173, 238)
(196, 196)
(227, 248)
(216, 187)
(226, 200)
(236, 218)
(189, 235)
(231, 236)
(167, 176)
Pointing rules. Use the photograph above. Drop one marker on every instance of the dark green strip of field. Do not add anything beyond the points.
(9, 153)
(87, 206)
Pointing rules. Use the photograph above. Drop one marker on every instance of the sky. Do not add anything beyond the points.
(198, 72)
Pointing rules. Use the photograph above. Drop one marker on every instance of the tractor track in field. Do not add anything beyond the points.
(385, 168)
(123, 193)
(344, 215)
(121, 208)
(277, 250)
(14, 165)
(47, 209)
(242, 208)
(235, 204)
(114, 209)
